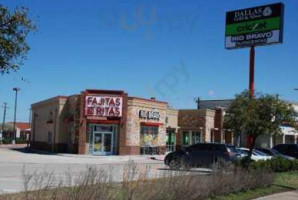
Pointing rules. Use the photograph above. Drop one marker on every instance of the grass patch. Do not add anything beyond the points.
(287, 179)
(282, 182)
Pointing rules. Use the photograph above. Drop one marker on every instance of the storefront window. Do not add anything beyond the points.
(196, 137)
(100, 128)
(171, 140)
(185, 138)
(149, 139)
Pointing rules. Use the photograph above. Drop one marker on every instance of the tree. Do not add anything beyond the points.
(14, 28)
(263, 114)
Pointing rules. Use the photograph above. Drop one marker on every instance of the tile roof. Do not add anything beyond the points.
(21, 125)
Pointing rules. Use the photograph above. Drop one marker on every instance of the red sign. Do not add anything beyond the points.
(103, 106)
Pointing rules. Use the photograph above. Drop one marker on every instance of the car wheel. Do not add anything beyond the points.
(174, 163)
(184, 163)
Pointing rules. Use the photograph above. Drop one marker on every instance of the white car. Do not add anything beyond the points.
(256, 155)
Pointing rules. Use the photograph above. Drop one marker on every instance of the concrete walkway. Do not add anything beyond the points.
(292, 195)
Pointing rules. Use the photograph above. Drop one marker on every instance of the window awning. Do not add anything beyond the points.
(151, 124)
(288, 130)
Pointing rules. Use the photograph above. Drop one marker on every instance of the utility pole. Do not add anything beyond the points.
(28, 135)
(15, 115)
(30, 113)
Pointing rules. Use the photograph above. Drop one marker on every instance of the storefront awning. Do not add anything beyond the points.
(288, 130)
(151, 124)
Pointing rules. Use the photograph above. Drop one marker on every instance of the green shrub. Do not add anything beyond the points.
(6, 141)
(276, 165)
(21, 141)
(18, 141)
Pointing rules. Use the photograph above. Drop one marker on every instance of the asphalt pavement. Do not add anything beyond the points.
(14, 163)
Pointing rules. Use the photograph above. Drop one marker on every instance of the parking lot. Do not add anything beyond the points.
(13, 162)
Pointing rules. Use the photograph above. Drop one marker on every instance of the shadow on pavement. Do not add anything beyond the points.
(286, 187)
(29, 150)
(190, 170)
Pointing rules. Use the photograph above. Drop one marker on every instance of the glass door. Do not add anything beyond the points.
(103, 143)
(97, 143)
(196, 137)
(171, 140)
(108, 143)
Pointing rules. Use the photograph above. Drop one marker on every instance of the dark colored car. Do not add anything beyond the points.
(202, 154)
(287, 149)
(274, 153)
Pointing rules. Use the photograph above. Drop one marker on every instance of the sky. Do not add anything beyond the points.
(169, 49)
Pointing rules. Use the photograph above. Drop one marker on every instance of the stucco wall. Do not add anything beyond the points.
(47, 118)
(62, 127)
(41, 125)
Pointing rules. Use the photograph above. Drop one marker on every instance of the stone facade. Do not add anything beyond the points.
(133, 130)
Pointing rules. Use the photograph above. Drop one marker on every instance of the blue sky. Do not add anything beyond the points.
(170, 49)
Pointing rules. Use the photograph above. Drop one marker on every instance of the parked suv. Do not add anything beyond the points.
(202, 154)
(287, 149)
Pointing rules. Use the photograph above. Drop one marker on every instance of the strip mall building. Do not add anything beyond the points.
(104, 122)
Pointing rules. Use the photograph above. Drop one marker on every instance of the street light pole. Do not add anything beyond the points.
(15, 114)
(3, 123)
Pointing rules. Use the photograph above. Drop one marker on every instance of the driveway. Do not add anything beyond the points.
(18, 161)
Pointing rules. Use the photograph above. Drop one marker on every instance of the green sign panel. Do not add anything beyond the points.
(256, 26)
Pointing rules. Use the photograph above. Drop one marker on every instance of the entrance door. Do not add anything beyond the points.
(108, 143)
(103, 143)
(97, 144)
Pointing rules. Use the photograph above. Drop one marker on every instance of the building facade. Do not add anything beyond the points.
(197, 126)
(103, 122)
(288, 134)
(22, 131)
(109, 122)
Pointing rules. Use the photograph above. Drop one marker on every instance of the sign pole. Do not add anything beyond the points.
(251, 27)
(251, 83)
(252, 72)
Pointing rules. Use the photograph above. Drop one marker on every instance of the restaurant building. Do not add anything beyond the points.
(104, 122)
(109, 122)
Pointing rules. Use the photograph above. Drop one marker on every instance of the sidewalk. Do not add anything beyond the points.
(116, 157)
(13, 145)
(292, 195)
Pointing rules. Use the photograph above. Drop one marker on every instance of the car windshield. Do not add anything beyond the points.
(232, 149)
(275, 152)
(243, 151)
(259, 153)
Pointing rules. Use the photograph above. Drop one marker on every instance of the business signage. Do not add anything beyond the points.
(151, 115)
(256, 26)
(103, 106)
